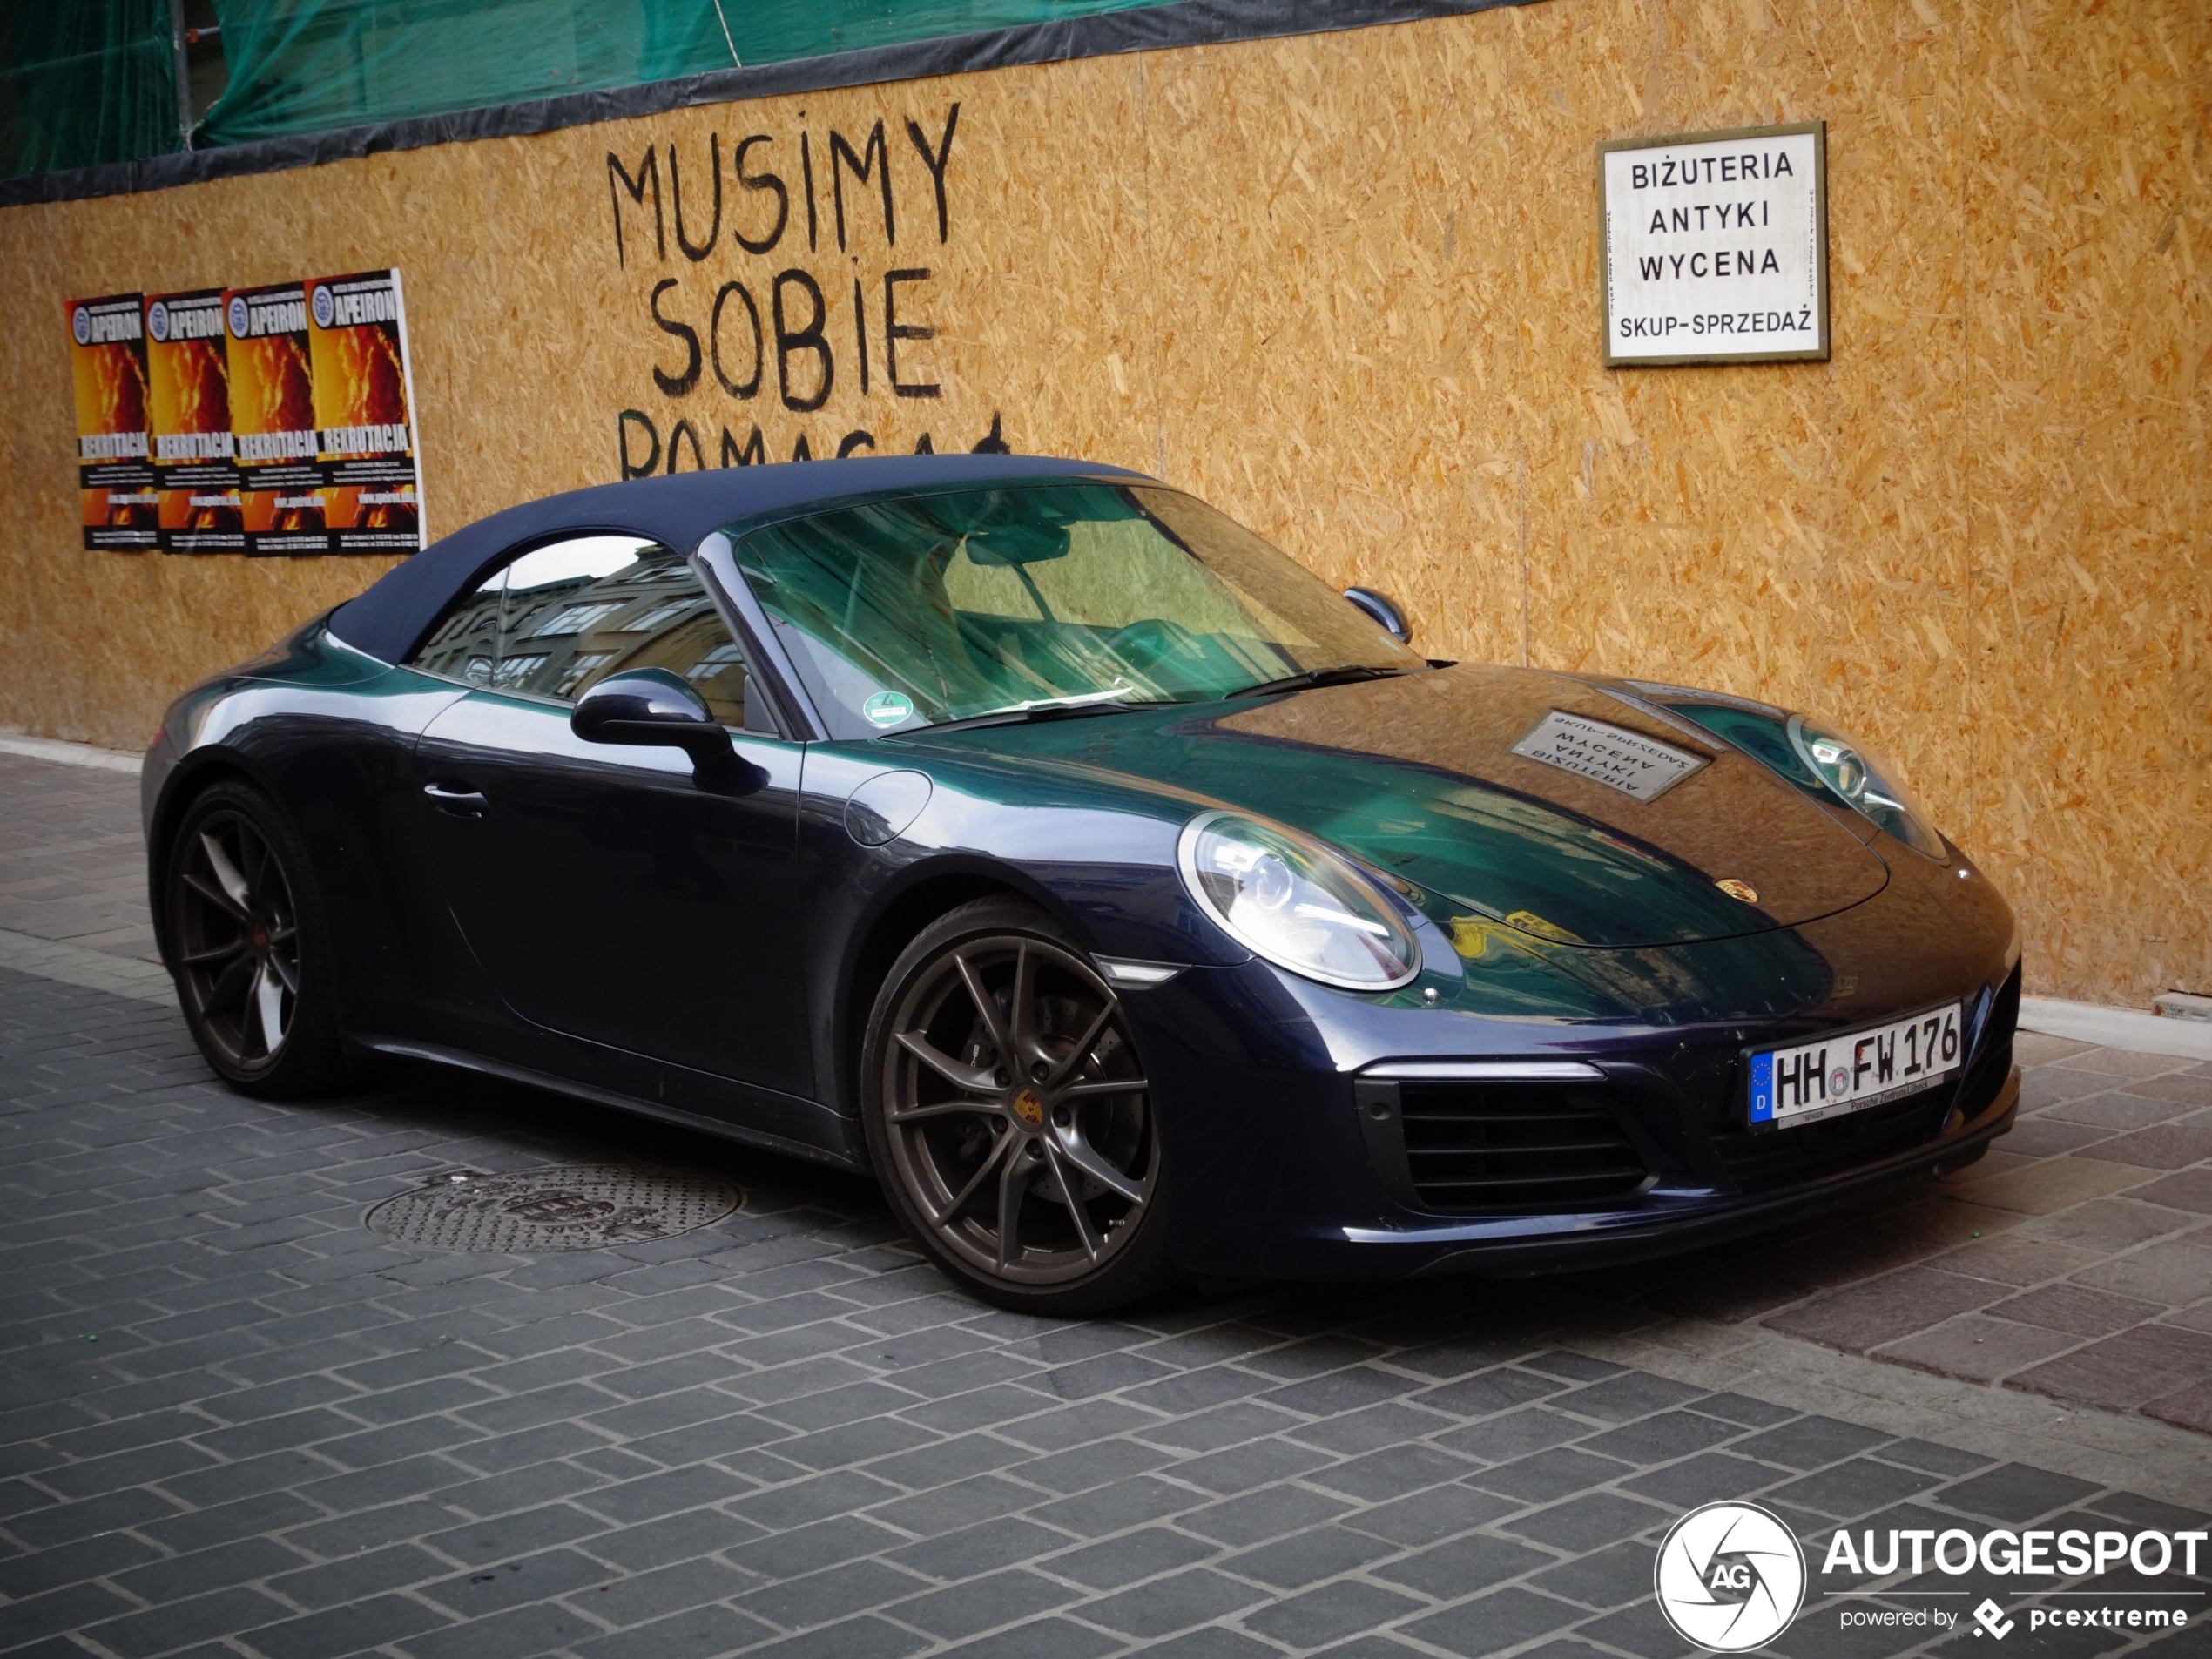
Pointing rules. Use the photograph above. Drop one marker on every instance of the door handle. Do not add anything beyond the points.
(462, 802)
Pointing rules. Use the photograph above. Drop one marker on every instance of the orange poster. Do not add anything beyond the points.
(272, 420)
(364, 413)
(189, 399)
(114, 474)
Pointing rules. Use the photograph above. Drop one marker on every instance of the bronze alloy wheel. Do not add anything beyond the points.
(1011, 1114)
(238, 939)
(243, 943)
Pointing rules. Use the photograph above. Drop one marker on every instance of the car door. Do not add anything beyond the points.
(608, 893)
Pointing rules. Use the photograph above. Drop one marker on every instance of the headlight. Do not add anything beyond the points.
(1846, 767)
(1288, 898)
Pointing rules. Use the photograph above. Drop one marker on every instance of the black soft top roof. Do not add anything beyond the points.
(388, 620)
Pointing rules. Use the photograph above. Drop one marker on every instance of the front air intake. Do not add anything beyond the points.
(1473, 1146)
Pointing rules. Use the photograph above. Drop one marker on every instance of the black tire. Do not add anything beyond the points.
(1062, 1143)
(247, 945)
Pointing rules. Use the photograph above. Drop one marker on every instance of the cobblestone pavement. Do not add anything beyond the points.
(235, 1421)
(2073, 1261)
(72, 861)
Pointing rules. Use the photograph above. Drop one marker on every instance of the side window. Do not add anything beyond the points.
(559, 617)
(465, 646)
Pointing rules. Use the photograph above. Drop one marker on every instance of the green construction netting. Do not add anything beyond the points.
(85, 82)
(311, 65)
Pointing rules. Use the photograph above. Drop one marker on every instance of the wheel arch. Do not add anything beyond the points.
(194, 774)
(897, 915)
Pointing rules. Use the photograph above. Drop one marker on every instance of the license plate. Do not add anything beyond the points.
(1855, 1069)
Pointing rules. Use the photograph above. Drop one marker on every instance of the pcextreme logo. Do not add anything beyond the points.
(1730, 1577)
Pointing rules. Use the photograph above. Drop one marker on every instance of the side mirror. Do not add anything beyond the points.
(1384, 610)
(652, 707)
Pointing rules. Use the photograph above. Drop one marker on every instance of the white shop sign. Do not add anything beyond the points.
(1715, 247)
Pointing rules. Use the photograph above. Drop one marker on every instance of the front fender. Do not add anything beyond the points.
(1104, 873)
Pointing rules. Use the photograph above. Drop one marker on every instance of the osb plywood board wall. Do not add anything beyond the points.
(1346, 285)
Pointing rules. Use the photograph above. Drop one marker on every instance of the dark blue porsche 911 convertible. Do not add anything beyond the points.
(1130, 904)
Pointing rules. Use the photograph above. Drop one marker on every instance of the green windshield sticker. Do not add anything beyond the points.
(888, 708)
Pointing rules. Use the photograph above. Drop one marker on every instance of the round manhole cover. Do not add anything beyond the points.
(581, 1206)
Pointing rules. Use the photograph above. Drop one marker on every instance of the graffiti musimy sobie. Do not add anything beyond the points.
(775, 275)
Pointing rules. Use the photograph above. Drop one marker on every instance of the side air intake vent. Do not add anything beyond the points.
(1456, 1146)
(1992, 1061)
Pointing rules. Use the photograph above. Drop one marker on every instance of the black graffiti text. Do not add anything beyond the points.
(763, 180)
(643, 448)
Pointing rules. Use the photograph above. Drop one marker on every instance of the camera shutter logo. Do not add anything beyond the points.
(1730, 1577)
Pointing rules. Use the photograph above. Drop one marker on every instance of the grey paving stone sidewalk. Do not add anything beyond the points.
(2075, 1261)
(235, 1421)
(72, 862)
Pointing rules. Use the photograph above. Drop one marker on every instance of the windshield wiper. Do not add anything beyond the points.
(1343, 674)
(1032, 713)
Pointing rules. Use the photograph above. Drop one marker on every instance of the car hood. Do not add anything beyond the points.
(1417, 777)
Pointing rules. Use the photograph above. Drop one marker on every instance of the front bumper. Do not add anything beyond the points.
(1275, 1169)
(1562, 1245)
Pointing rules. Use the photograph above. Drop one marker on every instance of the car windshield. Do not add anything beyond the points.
(1033, 600)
